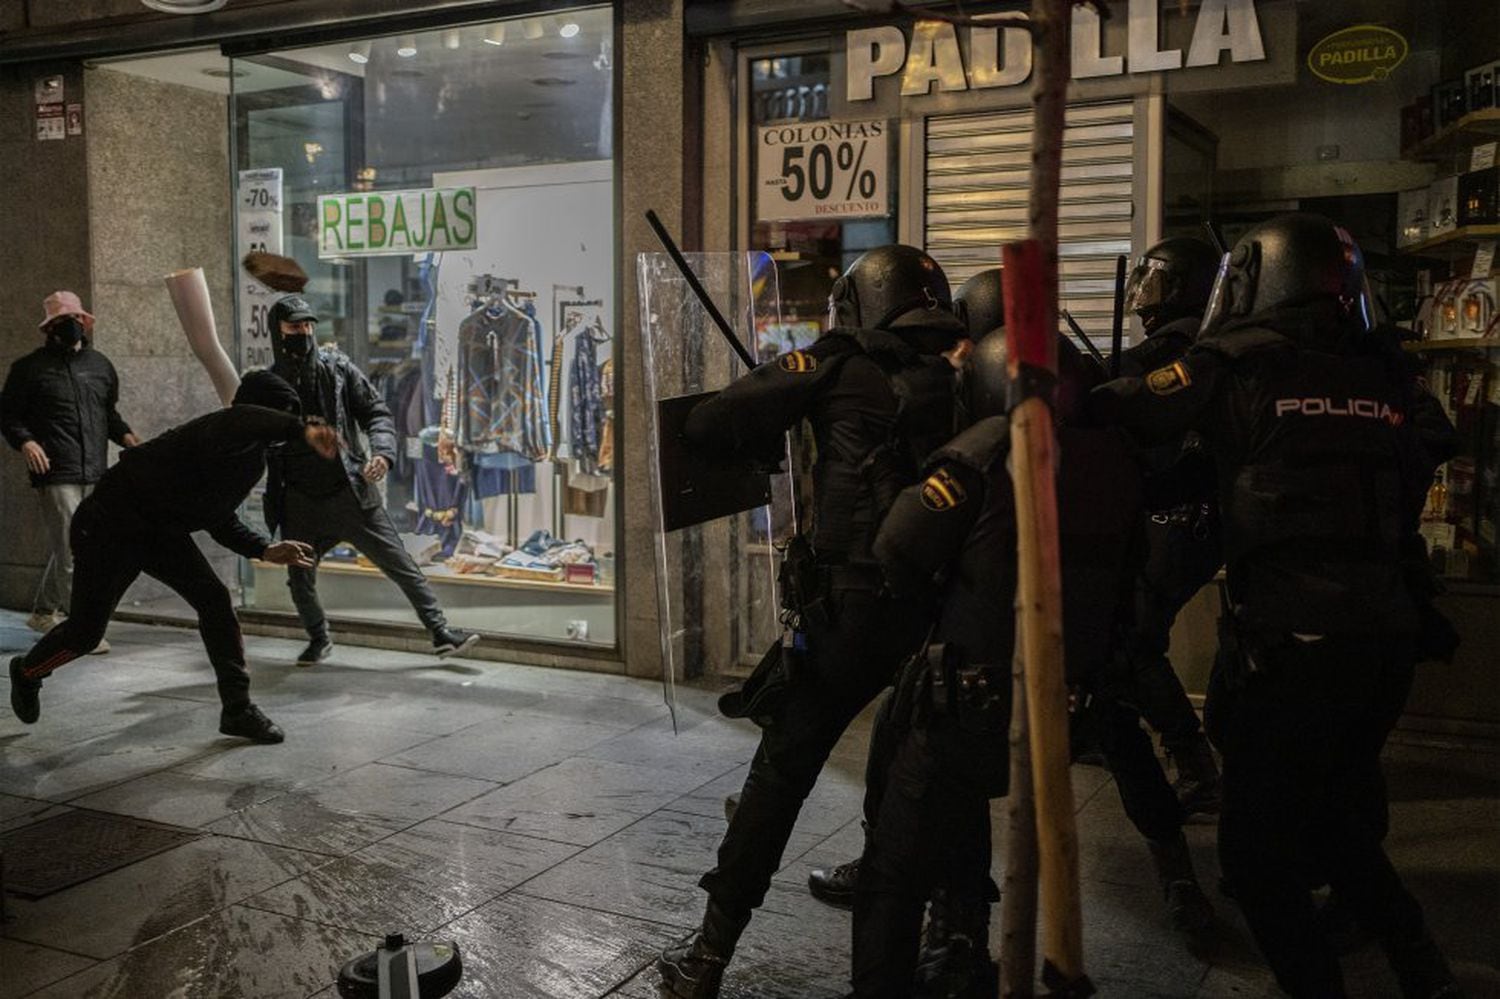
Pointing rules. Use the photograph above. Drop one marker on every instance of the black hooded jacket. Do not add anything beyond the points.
(194, 477)
(331, 388)
(66, 400)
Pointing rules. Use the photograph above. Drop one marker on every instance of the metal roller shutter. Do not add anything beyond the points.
(978, 182)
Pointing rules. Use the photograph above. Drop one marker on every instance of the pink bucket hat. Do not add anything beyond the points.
(65, 303)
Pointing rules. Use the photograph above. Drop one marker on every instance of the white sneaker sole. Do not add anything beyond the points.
(468, 643)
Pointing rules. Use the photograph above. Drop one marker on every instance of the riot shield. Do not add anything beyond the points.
(718, 523)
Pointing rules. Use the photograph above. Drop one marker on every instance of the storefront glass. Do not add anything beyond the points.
(451, 195)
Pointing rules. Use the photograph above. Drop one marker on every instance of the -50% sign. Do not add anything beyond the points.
(821, 169)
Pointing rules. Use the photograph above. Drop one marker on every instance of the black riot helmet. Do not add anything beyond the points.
(987, 381)
(980, 303)
(1292, 260)
(901, 289)
(1171, 280)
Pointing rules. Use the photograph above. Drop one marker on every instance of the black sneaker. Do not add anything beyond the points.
(451, 641)
(250, 722)
(317, 650)
(25, 693)
(836, 886)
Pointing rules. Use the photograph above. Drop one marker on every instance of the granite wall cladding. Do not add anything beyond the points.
(158, 177)
(43, 199)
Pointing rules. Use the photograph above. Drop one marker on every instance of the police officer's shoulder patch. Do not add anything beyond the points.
(798, 362)
(942, 491)
(1173, 378)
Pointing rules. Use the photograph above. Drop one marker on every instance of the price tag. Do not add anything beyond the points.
(1484, 261)
(1483, 156)
(822, 169)
(258, 217)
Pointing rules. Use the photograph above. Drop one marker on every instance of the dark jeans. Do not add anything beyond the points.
(932, 830)
(105, 563)
(1183, 559)
(1301, 740)
(848, 662)
(324, 521)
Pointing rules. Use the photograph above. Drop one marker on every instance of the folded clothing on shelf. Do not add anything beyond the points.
(423, 548)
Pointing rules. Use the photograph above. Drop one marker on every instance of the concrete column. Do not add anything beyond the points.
(650, 164)
(44, 200)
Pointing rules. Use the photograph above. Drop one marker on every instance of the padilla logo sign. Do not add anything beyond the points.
(389, 223)
(1364, 53)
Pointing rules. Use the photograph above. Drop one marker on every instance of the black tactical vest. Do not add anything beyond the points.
(874, 429)
(1312, 474)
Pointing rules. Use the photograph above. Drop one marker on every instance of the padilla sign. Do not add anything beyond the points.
(1364, 53)
(389, 223)
(1000, 56)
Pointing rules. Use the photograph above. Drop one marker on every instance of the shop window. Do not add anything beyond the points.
(450, 194)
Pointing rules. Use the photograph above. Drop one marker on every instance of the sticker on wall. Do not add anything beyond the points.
(1364, 53)
(48, 90)
(50, 124)
(74, 119)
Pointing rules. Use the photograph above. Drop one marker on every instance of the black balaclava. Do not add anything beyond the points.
(67, 332)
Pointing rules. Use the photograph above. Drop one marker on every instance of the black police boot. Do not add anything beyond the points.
(835, 885)
(694, 968)
(25, 693)
(1421, 969)
(954, 962)
(451, 641)
(1197, 784)
(319, 649)
(250, 722)
(1191, 913)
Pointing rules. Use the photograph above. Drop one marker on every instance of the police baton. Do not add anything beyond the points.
(699, 291)
(1117, 331)
(1084, 339)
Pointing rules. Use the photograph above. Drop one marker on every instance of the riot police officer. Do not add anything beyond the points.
(878, 395)
(1307, 412)
(1168, 291)
(952, 538)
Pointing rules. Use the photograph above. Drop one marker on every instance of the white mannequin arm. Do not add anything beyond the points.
(189, 293)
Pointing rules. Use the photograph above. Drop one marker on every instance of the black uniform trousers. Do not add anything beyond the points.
(324, 521)
(1301, 739)
(1184, 557)
(1150, 803)
(932, 830)
(105, 563)
(850, 658)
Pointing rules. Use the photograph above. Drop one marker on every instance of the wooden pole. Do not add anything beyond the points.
(1018, 897)
(1031, 331)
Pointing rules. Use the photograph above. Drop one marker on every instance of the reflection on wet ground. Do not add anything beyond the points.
(552, 824)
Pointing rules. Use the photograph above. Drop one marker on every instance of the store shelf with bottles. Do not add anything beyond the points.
(1453, 244)
(1472, 128)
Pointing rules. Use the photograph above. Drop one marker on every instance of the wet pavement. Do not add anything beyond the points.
(552, 824)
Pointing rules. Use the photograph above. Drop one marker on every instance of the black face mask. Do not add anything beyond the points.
(297, 345)
(68, 332)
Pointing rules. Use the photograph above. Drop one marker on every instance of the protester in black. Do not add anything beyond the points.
(1312, 419)
(60, 409)
(141, 519)
(324, 503)
(879, 397)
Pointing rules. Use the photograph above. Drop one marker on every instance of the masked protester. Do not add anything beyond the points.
(1313, 420)
(60, 410)
(322, 504)
(878, 395)
(1168, 291)
(141, 518)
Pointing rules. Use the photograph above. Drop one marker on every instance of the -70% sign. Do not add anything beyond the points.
(821, 169)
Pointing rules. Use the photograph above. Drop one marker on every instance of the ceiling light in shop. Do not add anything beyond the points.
(494, 34)
(569, 29)
(185, 6)
(532, 29)
(407, 46)
(359, 53)
(452, 39)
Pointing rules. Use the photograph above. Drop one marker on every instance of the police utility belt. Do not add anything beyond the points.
(937, 681)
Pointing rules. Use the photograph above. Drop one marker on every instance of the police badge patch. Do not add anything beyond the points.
(1172, 378)
(942, 492)
(798, 362)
